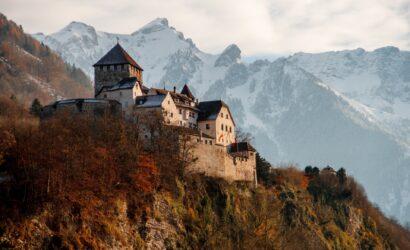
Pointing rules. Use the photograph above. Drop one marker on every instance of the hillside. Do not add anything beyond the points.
(346, 109)
(29, 69)
(77, 190)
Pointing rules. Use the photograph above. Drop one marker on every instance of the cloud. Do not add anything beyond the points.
(257, 26)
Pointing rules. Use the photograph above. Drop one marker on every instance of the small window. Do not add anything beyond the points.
(169, 102)
(222, 126)
(120, 93)
(172, 114)
(206, 142)
(180, 111)
(230, 129)
(226, 128)
(105, 96)
(101, 67)
(222, 115)
(115, 67)
(207, 126)
(227, 116)
(210, 142)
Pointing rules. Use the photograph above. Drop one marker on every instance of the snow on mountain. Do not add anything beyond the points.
(379, 80)
(345, 109)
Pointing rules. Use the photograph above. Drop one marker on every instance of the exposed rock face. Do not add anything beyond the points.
(205, 213)
(231, 55)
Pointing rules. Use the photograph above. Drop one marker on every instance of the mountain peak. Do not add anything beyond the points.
(157, 24)
(76, 25)
(78, 28)
(230, 55)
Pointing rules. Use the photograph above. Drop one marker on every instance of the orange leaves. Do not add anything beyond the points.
(145, 176)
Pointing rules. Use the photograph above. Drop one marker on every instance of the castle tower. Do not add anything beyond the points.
(114, 66)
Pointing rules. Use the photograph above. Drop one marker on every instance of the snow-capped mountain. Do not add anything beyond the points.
(344, 109)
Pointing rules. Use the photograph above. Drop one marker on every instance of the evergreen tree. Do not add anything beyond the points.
(341, 174)
(35, 108)
(262, 169)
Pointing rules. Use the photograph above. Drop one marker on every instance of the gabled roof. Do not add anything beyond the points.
(149, 101)
(186, 91)
(125, 83)
(210, 110)
(179, 99)
(117, 55)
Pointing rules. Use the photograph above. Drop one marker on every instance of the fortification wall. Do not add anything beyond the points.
(215, 161)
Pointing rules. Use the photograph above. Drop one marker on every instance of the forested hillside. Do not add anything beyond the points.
(29, 69)
(78, 182)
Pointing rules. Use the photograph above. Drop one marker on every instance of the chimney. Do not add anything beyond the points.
(175, 89)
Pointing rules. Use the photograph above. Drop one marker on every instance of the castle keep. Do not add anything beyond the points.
(119, 82)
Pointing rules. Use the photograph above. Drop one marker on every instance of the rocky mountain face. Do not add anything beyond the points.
(345, 109)
(29, 69)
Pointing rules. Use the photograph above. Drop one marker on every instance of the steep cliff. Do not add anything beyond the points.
(210, 214)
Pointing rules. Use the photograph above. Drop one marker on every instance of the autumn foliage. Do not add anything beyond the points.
(66, 157)
(29, 69)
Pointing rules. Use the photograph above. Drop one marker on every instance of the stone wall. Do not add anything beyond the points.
(87, 106)
(215, 161)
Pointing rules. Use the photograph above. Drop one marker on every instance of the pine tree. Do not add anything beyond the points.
(35, 108)
(262, 169)
(341, 174)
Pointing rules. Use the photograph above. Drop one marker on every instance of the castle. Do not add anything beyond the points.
(118, 84)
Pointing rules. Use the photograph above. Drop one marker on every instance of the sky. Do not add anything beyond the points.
(258, 27)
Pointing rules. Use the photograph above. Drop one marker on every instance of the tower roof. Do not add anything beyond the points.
(186, 91)
(117, 55)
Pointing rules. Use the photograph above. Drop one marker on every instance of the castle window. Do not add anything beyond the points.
(226, 128)
(105, 95)
(120, 93)
(172, 114)
(115, 67)
(207, 126)
(206, 142)
(180, 111)
(101, 67)
(222, 127)
(169, 102)
(226, 116)
(222, 115)
(210, 142)
(230, 129)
